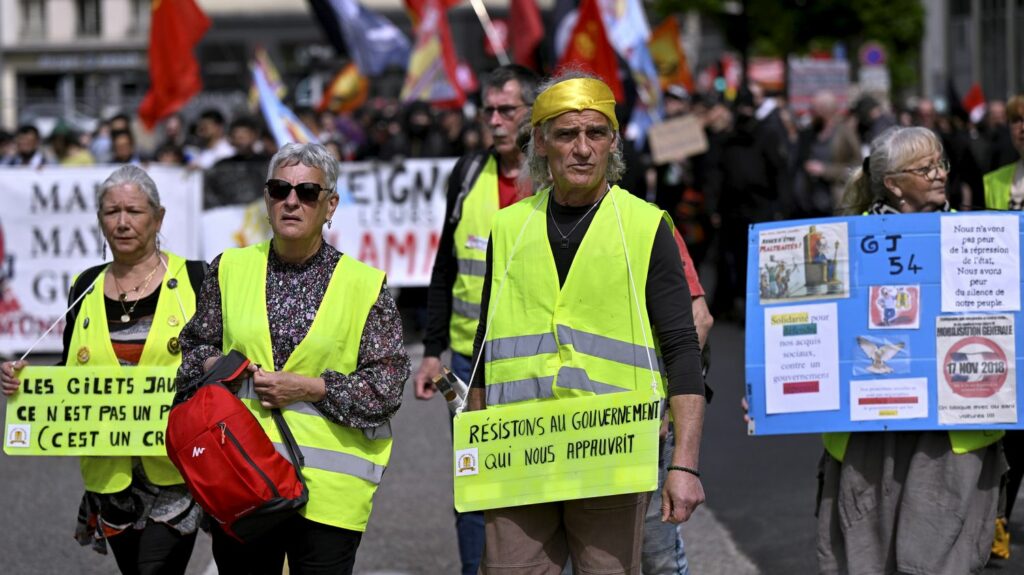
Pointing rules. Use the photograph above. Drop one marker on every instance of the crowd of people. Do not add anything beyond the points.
(564, 305)
(764, 162)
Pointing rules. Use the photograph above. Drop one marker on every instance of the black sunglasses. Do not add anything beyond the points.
(306, 191)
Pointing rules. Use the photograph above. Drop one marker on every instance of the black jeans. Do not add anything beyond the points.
(155, 550)
(312, 549)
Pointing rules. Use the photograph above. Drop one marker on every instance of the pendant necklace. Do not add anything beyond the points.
(564, 244)
(123, 296)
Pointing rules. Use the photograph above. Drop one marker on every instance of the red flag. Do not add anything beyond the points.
(524, 18)
(176, 28)
(431, 75)
(974, 103)
(590, 49)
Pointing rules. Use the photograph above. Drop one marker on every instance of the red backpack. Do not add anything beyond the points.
(229, 464)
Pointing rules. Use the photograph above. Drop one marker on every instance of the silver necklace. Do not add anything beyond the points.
(564, 244)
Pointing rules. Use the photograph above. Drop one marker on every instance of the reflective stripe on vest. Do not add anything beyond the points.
(473, 267)
(336, 462)
(585, 337)
(470, 239)
(111, 474)
(343, 464)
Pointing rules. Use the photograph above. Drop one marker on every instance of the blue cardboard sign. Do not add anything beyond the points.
(884, 323)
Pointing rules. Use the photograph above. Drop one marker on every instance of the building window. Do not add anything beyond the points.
(88, 17)
(33, 19)
(141, 11)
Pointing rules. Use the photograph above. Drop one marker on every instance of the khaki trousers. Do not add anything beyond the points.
(602, 536)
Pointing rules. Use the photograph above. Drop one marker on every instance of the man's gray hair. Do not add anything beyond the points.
(537, 165)
(311, 155)
(129, 174)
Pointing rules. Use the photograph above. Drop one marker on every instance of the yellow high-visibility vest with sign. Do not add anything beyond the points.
(567, 350)
(90, 346)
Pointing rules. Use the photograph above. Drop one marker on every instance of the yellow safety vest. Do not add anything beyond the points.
(470, 237)
(343, 465)
(998, 186)
(90, 345)
(586, 337)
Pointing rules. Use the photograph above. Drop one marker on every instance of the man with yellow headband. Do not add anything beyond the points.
(586, 280)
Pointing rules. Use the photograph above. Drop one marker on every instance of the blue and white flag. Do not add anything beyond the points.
(372, 41)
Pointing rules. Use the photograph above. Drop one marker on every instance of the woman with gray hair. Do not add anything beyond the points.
(906, 502)
(325, 341)
(127, 312)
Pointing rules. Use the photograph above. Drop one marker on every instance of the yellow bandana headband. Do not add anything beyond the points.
(575, 95)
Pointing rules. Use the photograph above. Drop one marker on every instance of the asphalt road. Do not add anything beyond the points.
(758, 518)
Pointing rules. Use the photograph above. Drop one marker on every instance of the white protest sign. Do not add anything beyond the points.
(50, 233)
(977, 375)
(801, 347)
(390, 217)
(981, 263)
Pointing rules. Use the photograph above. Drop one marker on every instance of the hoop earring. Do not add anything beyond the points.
(328, 224)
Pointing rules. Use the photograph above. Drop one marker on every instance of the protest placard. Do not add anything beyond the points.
(557, 450)
(677, 139)
(103, 410)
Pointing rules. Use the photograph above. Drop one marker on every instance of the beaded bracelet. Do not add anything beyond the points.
(686, 469)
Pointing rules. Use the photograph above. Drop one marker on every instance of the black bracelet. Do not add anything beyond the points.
(686, 469)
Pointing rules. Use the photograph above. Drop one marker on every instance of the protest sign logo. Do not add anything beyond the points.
(19, 435)
(975, 367)
(466, 462)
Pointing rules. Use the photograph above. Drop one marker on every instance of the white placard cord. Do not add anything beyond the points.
(636, 299)
(501, 286)
(86, 292)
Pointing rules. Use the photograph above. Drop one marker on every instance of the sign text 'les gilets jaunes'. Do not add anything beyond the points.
(103, 410)
(557, 450)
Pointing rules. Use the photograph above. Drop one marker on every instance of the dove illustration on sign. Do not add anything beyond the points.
(879, 354)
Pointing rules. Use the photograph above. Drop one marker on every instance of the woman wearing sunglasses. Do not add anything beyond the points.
(918, 501)
(325, 341)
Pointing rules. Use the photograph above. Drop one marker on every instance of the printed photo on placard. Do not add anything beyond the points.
(894, 307)
(804, 263)
(881, 355)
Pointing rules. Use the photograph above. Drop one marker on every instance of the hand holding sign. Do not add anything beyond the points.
(9, 382)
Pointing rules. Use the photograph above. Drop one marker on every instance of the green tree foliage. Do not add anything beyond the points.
(784, 27)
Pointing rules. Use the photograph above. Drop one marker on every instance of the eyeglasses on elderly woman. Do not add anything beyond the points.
(929, 172)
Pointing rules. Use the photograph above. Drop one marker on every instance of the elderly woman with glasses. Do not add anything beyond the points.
(325, 341)
(906, 502)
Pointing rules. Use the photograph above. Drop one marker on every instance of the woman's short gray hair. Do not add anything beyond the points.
(311, 155)
(537, 165)
(129, 174)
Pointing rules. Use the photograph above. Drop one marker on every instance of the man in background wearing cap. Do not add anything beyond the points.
(480, 184)
(626, 287)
